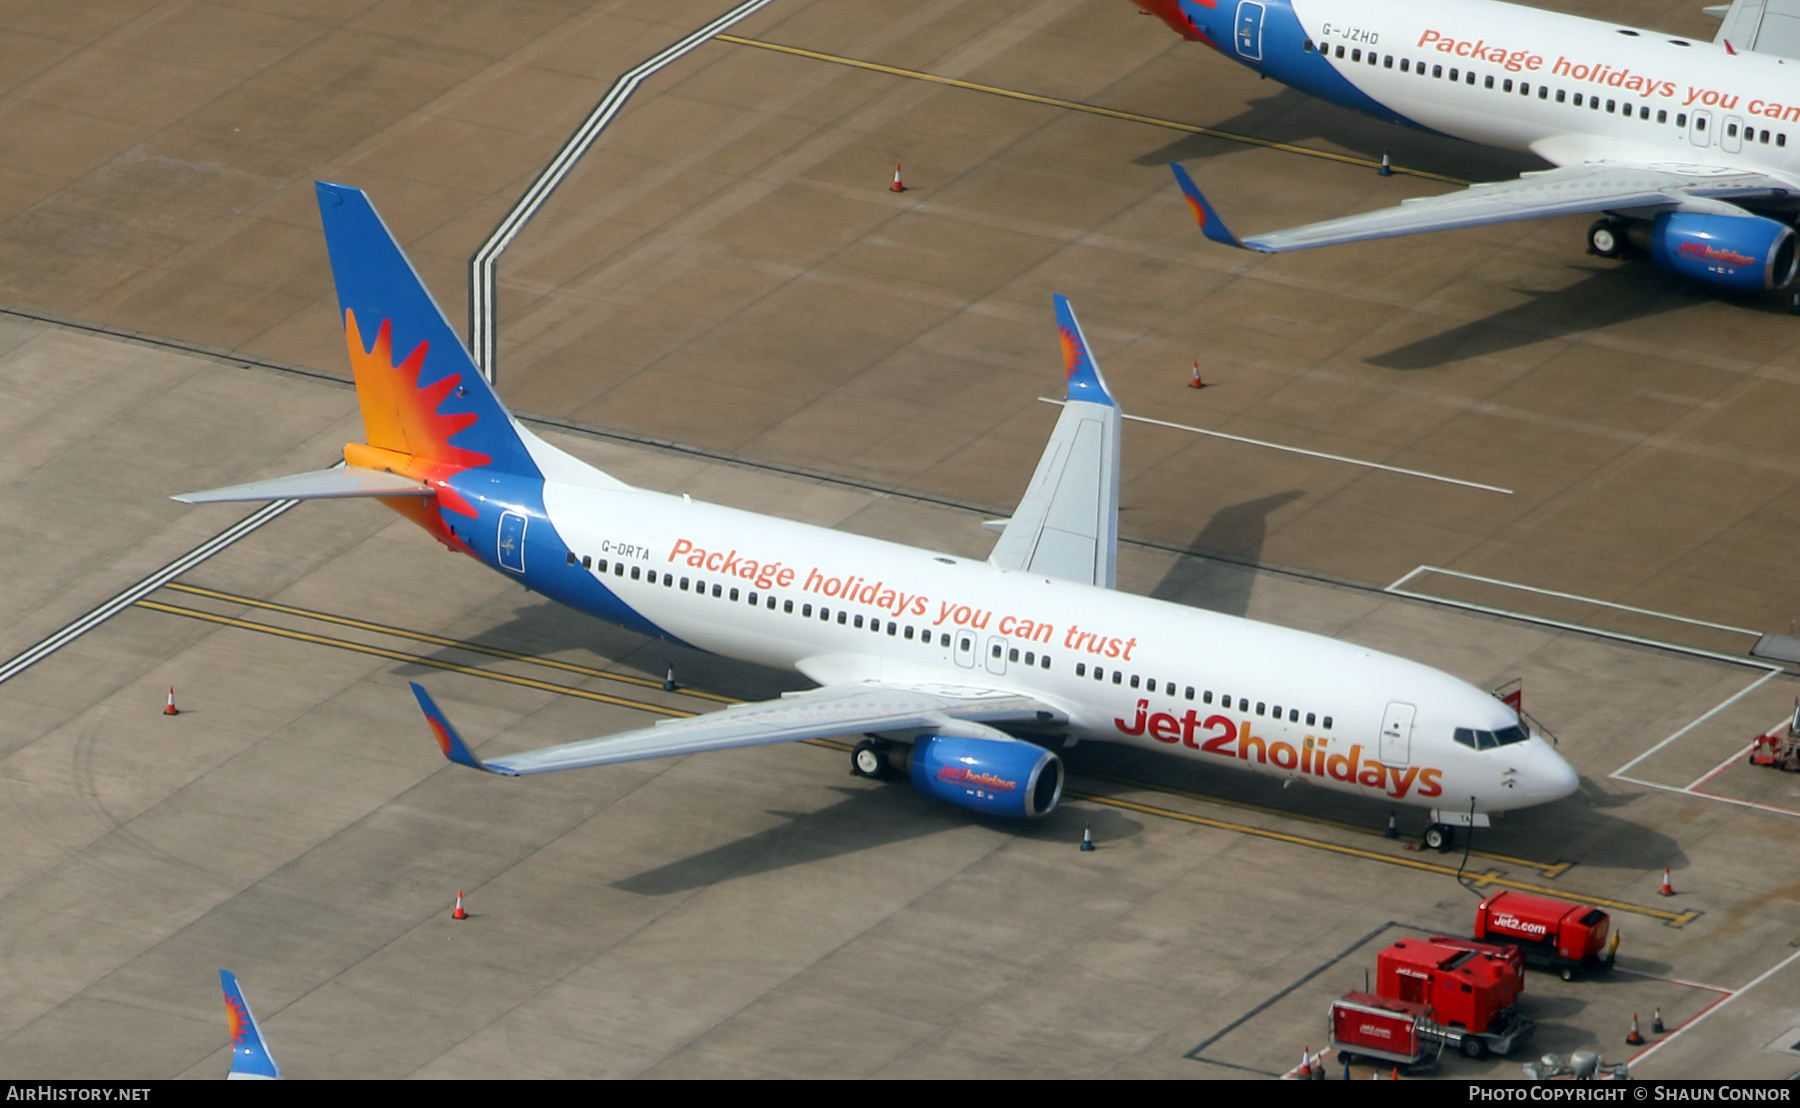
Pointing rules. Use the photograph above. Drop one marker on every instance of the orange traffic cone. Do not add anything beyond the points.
(896, 186)
(1636, 1038)
(170, 709)
(459, 913)
(1196, 383)
(1656, 1023)
(1667, 889)
(1305, 1062)
(1396, 1073)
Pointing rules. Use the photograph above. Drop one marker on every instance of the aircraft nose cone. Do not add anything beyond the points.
(1550, 778)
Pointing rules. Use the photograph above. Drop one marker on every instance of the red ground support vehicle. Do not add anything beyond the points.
(1567, 937)
(1399, 1031)
(1780, 748)
(1472, 987)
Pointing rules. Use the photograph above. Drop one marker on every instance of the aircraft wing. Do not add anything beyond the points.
(1067, 525)
(1759, 26)
(1567, 190)
(815, 714)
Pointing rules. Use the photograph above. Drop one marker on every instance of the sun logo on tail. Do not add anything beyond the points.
(1072, 351)
(237, 1020)
(442, 732)
(1198, 209)
(398, 413)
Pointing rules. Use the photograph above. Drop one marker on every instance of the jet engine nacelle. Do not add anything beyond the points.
(1738, 252)
(1000, 776)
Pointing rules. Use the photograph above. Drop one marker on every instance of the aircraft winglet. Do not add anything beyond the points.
(250, 1059)
(1210, 224)
(1085, 382)
(447, 739)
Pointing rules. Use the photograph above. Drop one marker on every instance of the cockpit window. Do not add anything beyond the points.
(1488, 740)
(1506, 736)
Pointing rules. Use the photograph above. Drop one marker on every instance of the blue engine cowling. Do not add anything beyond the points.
(1738, 252)
(999, 776)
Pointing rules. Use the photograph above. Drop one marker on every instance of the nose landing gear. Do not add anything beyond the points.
(1440, 837)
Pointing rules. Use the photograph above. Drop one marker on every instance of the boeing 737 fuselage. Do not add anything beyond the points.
(1691, 148)
(961, 672)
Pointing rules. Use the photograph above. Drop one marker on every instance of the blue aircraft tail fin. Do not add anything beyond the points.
(250, 1058)
(421, 393)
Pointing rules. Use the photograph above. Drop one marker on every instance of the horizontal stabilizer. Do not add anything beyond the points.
(324, 484)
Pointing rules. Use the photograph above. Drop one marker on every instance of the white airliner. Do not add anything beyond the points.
(958, 671)
(1691, 149)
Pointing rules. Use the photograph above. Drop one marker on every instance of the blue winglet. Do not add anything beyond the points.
(447, 739)
(1210, 224)
(250, 1059)
(1085, 382)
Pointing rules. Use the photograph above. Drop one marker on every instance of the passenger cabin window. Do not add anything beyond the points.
(1309, 719)
(1134, 680)
(1081, 669)
(634, 573)
(1404, 63)
(1438, 71)
(1327, 723)
(1259, 708)
(1206, 697)
(787, 609)
(1190, 692)
(1044, 662)
(1011, 655)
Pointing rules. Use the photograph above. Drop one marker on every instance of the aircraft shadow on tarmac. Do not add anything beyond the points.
(554, 630)
(1610, 294)
(864, 819)
(1295, 118)
(1237, 532)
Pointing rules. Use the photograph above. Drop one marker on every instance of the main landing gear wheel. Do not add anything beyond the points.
(1440, 837)
(1607, 238)
(867, 760)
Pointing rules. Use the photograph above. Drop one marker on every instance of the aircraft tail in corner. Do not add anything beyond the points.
(250, 1058)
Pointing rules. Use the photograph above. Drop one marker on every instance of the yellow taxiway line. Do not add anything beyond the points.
(1079, 106)
(440, 640)
(410, 659)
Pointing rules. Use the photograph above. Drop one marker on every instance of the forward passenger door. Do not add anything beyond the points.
(1396, 733)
